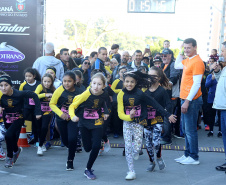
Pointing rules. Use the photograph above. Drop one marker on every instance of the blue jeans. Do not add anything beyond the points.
(223, 128)
(189, 127)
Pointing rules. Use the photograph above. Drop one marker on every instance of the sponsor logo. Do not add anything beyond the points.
(9, 54)
(20, 5)
(6, 9)
(8, 29)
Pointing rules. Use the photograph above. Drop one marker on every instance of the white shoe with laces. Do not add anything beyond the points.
(44, 148)
(180, 158)
(131, 176)
(189, 160)
(40, 152)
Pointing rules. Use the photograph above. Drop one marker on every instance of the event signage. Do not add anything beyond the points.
(21, 36)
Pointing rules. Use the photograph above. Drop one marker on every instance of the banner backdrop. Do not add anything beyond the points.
(21, 36)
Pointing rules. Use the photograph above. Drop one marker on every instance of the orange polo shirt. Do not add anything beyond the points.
(194, 66)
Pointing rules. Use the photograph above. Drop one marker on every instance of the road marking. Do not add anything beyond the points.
(13, 174)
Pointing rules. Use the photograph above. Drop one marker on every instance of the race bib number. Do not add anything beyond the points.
(64, 110)
(45, 107)
(31, 101)
(137, 108)
(11, 117)
(90, 114)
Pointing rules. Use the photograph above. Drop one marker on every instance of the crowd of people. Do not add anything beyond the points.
(84, 98)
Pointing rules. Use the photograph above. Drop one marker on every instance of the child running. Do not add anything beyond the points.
(32, 80)
(154, 128)
(12, 102)
(60, 101)
(44, 92)
(87, 107)
(133, 111)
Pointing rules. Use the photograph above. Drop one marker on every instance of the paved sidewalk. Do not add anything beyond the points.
(111, 168)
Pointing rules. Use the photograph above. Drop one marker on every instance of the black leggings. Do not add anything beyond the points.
(12, 135)
(211, 116)
(105, 126)
(91, 139)
(43, 126)
(29, 114)
(68, 132)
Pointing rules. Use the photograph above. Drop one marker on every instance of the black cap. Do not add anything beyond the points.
(6, 78)
(167, 51)
(157, 59)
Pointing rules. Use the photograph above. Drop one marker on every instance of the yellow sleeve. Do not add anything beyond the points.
(53, 102)
(79, 99)
(88, 87)
(1, 95)
(114, 85)
(144, 89)
(21, 88)
(80, 66)
(108, 69)
(121, 112)
(39, 89)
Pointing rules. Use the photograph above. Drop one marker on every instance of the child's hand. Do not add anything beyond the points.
(172, 118)
(49, 95)
(106, 116)
(1, 110)
(38, 117)
(75, 119)
(132, 113)
(64, 116)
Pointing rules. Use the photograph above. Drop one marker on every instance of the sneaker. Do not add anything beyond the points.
(189, 160)
(219, 134)
(136, 156)
(161, 163)
(39, 151)
(210, 134)
(151, 167)
(2, 156)
(166, 142)
(9, 162)
(107, 146)
(180, 158)
(101, 151)
(79, 149)
(48, 145)
(221, 167)
(116, 136)
(178, 136)
(31, 140)
(89, 174)
(43, 148)
(207, 128)
(131, 176)
(141, 152)
(69, 165)
(16, 155)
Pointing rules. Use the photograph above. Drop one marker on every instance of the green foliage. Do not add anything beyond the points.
(91, 35)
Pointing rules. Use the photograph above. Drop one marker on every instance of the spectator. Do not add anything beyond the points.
(99, 63)
(157, 62)
(92, 57)
(146, 61)
(113, 64)
(79, 57)
(73, 54)
(124, 62)
(114, 52)
(138, 61)
(71, 64)
(85, 72)
(173, 75)
(64, 57)
(191, 99)
(42, 63)
(220, 99)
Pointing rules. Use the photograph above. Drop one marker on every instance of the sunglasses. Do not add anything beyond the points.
(86, 63)
(164, 55)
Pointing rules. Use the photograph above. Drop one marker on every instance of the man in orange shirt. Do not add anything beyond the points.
(191, 99)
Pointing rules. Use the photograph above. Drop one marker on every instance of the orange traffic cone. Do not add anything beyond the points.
(22, 142)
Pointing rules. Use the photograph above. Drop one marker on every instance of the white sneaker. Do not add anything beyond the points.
(136, 156)
(131, 176)
(107, 146)
(44, 148)
(189, 160)
(180, 158)
(40, 152)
